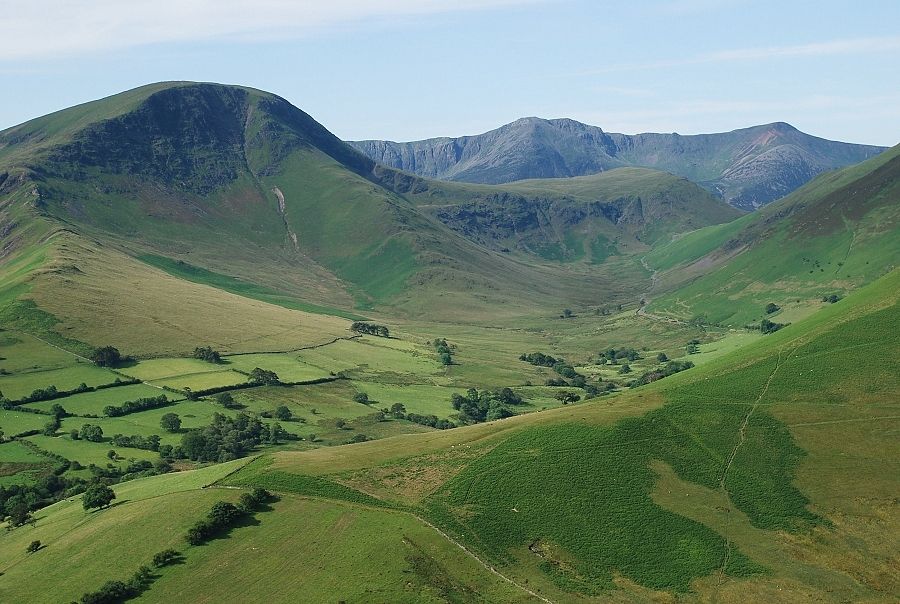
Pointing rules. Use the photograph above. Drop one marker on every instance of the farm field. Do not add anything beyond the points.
(92, 403)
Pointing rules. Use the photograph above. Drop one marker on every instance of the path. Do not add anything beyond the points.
(480, 561)
(742, 437)
(645, 297)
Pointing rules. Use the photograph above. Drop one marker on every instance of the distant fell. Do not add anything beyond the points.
(748, 168)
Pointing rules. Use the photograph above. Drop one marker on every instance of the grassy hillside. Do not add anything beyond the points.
(834, 234)
(235, 188)
(753, 453)
(724, 480)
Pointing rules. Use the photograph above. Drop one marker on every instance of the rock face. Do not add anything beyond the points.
(748, 168)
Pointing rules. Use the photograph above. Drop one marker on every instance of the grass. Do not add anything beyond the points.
(288, 367)
(18, 385)
(196, 274)
(87, 453)
(92, 403)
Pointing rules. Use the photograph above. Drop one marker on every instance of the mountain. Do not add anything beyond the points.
(748, 168)
(235, 186)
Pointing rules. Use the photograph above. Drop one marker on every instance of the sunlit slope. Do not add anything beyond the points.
(767, 471)
(294, 549)
(240, 187)
(833, 235)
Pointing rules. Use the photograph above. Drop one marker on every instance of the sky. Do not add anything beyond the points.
(413, 69)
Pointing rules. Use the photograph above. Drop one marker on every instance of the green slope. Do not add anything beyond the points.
(835, 234)
(239, 183)
(571, 502)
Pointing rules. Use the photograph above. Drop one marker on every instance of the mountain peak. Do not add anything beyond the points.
(725, 163)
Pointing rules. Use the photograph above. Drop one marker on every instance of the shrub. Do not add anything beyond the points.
(165, 557)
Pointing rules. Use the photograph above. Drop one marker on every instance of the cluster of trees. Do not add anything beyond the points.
(612, 355)
(225, 515)
(17, 501)
(693, 347)
(670, 368)
(264, 377)
(563, 369)
(766, 326)
(141, 404)
(108, 356)
(89, 432)
(398, 411)
(831, 299)
(538, 359)
(772, 307)
(206, 353)
(227, 438)
(487, 405)
(136, 441)
(42, 394)
(114, 592)
(445, 354)
(372, 329)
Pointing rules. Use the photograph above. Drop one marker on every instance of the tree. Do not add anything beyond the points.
(57, 410)
(567, 313)
(33, 547)
(226, 400)
(97, 496)
(51, 427)
(264, 377)
(224, 514)
(283, 413)
(772, 307)
(112, 454)
(207, 354)
(446, 359)
(92, 433)
(662, 357)
(625, 369)
(340, 423)
(398, 410)
(311, 438)
(170, 422)
(566, 397)
(106, 356)
(361, 397)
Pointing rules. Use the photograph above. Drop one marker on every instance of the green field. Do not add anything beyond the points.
(92, 403)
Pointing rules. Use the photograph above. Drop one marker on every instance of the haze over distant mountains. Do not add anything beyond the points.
(748, 168)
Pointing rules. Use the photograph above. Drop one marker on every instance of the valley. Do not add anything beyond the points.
(611, 386)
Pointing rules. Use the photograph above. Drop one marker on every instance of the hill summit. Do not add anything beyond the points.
(748, 168)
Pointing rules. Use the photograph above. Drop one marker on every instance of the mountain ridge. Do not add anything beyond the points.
(748, 167)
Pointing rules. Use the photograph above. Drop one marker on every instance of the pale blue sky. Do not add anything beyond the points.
(409, 69)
